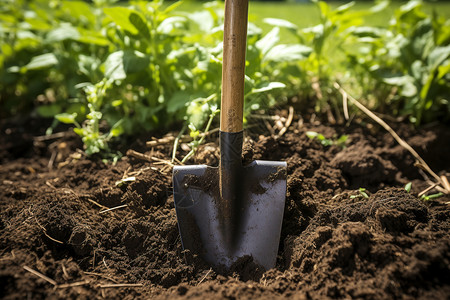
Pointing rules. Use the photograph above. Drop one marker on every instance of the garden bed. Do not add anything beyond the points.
(335, 242)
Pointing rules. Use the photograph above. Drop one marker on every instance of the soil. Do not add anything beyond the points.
(335, 242)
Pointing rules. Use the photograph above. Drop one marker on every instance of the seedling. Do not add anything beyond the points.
(408, 187)
(361, 194)
(432, 196)
(327, 142)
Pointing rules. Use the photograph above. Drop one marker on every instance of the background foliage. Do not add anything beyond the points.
(121, 68)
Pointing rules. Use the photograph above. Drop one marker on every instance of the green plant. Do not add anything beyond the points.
(94, 141)
(361, 194)
(408, 187)
(341, 141)
(160, 65)
(407, 64)
(163, 64)
(432, 196)
(329, 40)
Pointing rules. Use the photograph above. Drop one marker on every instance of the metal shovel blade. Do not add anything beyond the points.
(261, 207)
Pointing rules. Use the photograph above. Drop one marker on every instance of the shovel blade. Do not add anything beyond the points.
(261, 208)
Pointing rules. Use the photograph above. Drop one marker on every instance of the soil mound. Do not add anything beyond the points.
(89, 227)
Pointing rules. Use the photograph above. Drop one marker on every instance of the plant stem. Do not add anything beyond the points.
(175, 143)
(211, 118)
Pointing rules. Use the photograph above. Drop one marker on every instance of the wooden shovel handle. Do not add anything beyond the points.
(233, 68)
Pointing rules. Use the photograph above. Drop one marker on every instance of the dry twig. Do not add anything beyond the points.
(427, 190)
(204, 277)
(113, 208)
(288, 122)
(120, 285)
(40, 275)
(101, 275)
(50, 136)
(445, 183)
(44, 230)
(74, 284)
(139, 155)
(182, 138)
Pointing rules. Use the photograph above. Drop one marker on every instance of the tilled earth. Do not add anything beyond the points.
(335, 241)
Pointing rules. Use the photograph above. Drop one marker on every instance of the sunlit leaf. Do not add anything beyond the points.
(169, 25)
(121, 16)
(121, 63)
(280, 23)
(66, 118)
(437, 56)
(268, 87)
(64, 32)
(139, 24)
(280, 53)
(41, 61)
(269, 40)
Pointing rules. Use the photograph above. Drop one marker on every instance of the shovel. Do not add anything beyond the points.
(231, 211)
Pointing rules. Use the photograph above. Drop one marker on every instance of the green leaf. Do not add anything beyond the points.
(287, 53)
(366, 31)
(408, 186)
(121, 16)
(116, 130)
(64, 32)
(380, 6)
(91, 37)
(41, 61)
(311, 134)
(172, 7)
(37, 24)
(121, 63)
(280, 23)
(268, 41)
(268, 87)
(345, 7)
(171, 24)
(139, 24)
(203, 19)
(406, 82)
(197, 112)
(66, 118)
(437, 56)
(49, 111)
(443, 70)
(342, 140)
(177, 101)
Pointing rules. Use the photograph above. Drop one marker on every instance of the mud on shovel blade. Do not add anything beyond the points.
(231, 211)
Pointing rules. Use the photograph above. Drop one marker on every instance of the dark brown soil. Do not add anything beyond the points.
(335, 243)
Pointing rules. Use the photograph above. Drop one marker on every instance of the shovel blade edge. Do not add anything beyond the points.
(196, 196)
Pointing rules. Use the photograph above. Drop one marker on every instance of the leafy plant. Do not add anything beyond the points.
(361, 194)
(94, 141)
(158, 71)
(162, 65)
(409, 62)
